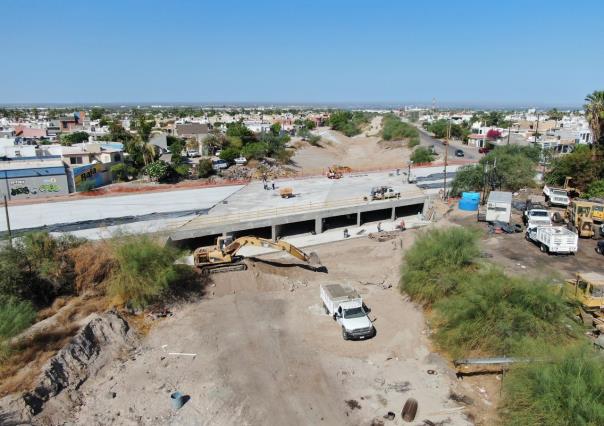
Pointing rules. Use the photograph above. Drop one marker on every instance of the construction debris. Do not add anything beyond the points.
(384, 235)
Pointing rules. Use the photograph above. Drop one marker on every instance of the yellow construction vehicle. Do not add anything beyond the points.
(224, 257)
(587, 288)
(578, 216)
(570, 189)
(597, 211)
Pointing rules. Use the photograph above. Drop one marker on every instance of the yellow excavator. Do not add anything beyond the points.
(224, 257)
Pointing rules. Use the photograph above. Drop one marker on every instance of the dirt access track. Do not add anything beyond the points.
(258, 349)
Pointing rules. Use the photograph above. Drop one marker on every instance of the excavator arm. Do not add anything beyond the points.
(234, 247)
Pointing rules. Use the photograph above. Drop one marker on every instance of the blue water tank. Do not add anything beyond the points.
(469, 201)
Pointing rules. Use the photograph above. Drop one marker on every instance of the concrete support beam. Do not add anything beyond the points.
(275, 230)
(358, 218)
(393, 216)
(318, 225)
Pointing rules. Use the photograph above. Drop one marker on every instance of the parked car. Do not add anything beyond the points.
(600, 247)
(219, 164)
(193, 153)
(459, 153)
(484, 150)
(240, 161)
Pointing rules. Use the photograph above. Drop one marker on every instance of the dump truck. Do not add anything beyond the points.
(224, 256)
(384, 192)
(346, 307)
(587, 288)
(578, 218)
(553, 239)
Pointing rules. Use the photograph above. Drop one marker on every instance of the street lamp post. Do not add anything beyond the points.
(409, 171)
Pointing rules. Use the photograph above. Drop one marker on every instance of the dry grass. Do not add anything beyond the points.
(19, 372)
(93, 263)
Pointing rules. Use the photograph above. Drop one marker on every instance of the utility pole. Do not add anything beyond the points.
(537, 129)
(509, 131)
(10, 235)
(446, 157)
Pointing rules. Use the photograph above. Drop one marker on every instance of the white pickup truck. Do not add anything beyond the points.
(536, 217)
(346, 307)
(556, 196)
(553, 239)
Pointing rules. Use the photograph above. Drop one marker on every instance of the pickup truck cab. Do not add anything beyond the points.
(536, 217)
(556, 196)
(384, 192)
(346, 307)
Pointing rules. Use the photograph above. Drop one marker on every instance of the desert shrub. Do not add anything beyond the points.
(437, 262)
(567, 388)
(229, 154)
(348, 122)
(92, 265)
(314, 140)
(121, 172)
(15, 316)
(422, 155)
(204, 168)
(497, 314)
(144, 270)
(413, 142)
(394, 129)
(37, 268)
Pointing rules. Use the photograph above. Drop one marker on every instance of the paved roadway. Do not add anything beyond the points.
(427, 140)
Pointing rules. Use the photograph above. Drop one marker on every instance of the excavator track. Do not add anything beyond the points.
(228, 267)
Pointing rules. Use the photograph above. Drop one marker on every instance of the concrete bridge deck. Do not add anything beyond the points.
(319, 204)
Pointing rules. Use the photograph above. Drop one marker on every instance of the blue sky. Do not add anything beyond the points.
(459, 52)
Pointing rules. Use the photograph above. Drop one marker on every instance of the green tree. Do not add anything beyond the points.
(121, 172)
(393, 129)
(69, 139)
(579, 164)
(204, 168)
(595, 189)
(97, 113)
(255, 150)
(467, 179)
(240, 130)
(229, 154)
(276, 129)
(594, 112)
(422, 155)
(158, 170)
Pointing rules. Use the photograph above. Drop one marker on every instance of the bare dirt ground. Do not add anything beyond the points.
(364, 151)
(265, 352)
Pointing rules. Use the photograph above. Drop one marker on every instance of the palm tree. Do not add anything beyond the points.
(146, 149)
(594, 112)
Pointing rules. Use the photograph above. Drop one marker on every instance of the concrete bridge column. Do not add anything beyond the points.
(318, 225)
(358, 218)
(393, 216)
(275, 229)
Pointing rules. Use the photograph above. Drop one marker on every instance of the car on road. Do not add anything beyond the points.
(484, 150)
(219, 164)
(459, 153)
(191, 153)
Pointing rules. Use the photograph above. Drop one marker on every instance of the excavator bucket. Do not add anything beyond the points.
(313, 259)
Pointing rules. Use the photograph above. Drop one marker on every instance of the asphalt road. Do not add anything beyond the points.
(439, 147)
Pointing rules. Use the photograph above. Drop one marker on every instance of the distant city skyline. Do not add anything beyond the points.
(465, 54)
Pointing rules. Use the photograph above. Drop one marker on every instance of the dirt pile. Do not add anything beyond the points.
(93, 347)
